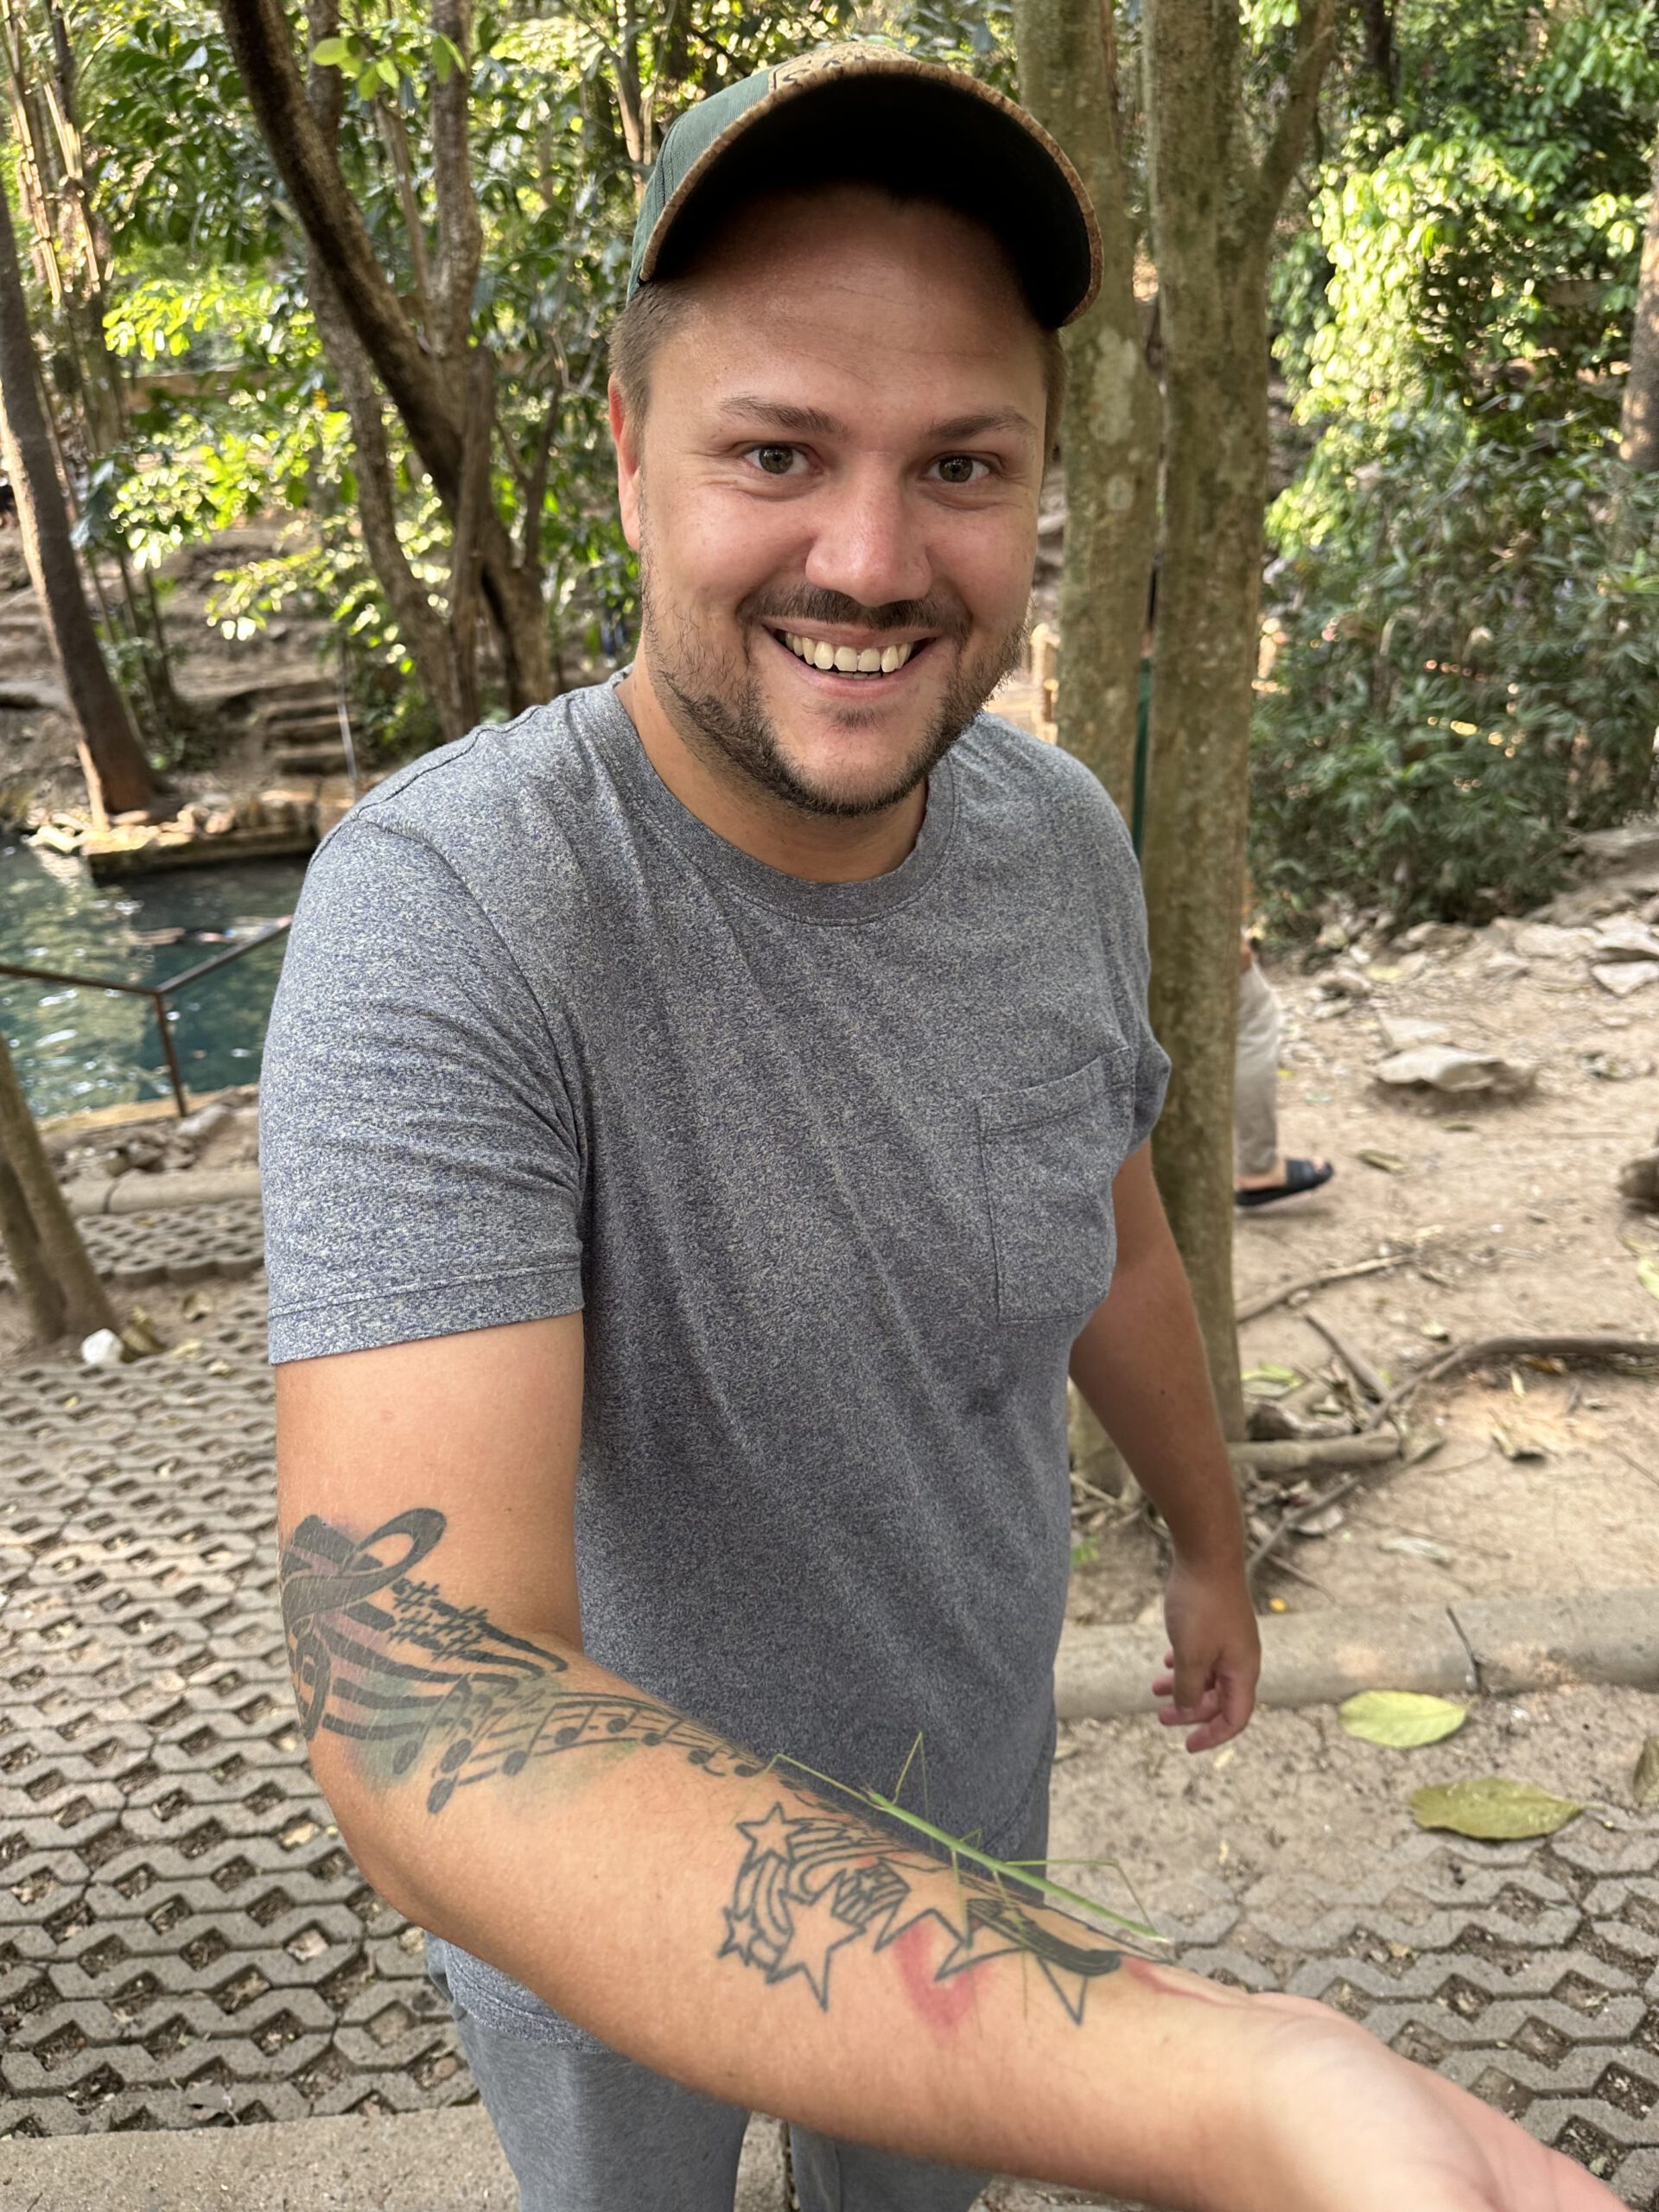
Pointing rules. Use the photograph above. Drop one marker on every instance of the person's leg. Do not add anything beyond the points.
(588, 2130)
(1256, 1076)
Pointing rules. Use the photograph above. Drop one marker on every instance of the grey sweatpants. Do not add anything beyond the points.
(1255, 1075)
(588, 2130)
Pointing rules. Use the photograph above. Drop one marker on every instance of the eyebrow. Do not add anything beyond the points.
(813, 423)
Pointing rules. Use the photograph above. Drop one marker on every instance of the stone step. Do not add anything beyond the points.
(312, 761)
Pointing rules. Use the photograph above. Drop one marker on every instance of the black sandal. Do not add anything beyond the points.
(1300, 1176)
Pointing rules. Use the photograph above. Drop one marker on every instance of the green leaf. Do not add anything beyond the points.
(1644, 1786)
(1401, 1718)
(1646, 1274)
(1271, 1382)
(1492, 1808)
(332, 53)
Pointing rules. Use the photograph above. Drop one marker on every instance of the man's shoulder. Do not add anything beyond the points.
(499, 780)
(1021, 781)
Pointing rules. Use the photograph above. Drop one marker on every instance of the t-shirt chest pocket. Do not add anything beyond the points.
(1050, 1153)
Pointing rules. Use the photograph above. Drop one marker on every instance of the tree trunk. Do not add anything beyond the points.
(428, 392)
(41, 1294)
(58, 1258)
(1110, 432)
(1213, 210)
(1638, 428)
(117, 774)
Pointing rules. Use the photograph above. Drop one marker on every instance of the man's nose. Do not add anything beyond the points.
(869, 543)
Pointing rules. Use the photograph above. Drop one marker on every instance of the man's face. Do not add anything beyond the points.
(834, 496)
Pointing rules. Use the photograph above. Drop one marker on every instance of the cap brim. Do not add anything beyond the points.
(914, 127)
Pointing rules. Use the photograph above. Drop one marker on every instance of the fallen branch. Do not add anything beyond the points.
(1293, 1456)
(1355, 1362)
(1266, 1304)
(1605, 1348)
(1290, 1522)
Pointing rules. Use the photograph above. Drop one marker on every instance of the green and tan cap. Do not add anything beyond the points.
(868, 112)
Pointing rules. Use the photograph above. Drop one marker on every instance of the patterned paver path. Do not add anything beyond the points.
(184, 1938)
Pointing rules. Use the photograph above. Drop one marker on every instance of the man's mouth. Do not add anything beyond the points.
(847, 660)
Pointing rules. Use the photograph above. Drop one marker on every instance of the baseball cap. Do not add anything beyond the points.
(866, 113)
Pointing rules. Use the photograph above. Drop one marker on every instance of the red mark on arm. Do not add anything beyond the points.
(943, 2005)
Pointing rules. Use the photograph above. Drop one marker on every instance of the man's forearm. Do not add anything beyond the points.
(716, 1918)
(1140, 1364)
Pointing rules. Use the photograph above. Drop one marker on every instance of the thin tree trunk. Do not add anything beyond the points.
(1213, 209)
(118, 777)
(41, 1294)
(424, 389)
(62, 1256)
(1110, 433)
(430, 640)
(1638, 428)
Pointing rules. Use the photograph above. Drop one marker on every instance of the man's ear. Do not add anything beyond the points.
(625, 437)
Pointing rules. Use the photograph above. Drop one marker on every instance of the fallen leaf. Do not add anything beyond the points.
(1515, 1444)
(1646, 1274)
(1271, 1382)
(1401, 1718)
(1277, 1605)
(1390, 1162)
(187, 1350)
(1417, 1548)
(1436, 1332)
(1492, 1808)
(1644, 1788)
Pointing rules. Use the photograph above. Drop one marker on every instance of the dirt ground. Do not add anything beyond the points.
(1513, 1209)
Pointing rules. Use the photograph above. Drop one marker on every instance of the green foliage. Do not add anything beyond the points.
(1468, 671)
(1465, 596)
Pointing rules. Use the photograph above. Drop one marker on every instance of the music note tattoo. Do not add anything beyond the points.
(380, 1658)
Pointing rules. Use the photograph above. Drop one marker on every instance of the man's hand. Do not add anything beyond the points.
(1215, 1655)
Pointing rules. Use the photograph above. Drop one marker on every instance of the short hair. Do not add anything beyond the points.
(657, 309)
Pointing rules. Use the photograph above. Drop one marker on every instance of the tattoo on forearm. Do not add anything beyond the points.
(418, 1685)
(811, 1882)
(381, 1659)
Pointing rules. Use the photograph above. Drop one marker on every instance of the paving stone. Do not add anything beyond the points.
(184, 1940)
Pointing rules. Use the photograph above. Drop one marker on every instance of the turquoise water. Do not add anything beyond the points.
(77, 1048)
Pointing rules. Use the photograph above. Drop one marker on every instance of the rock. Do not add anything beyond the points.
(103, 1348)
(1504, 967)
(1639, 1181)
(204, 1121)
(1435, 937)
(1401, 1030)
(1624, 939)
(1633, 844)
(1346, 984)
(1549, 941)
(1448, 1068)
(1621, 977)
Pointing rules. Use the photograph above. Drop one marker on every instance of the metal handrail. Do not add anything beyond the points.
(156, 993)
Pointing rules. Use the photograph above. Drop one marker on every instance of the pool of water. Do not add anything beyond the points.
(76, 1048)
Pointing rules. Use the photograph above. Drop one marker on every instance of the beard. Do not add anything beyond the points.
(716, 703)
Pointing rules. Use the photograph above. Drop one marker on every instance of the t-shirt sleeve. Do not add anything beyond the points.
(420, 1157)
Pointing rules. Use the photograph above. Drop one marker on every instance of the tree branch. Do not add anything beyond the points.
(461, 233)
(1315, 26)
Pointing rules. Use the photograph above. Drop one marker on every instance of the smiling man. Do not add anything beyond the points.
(704, 1121)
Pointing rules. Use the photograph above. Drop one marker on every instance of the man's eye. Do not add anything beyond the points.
(959, 468)
(773, 460)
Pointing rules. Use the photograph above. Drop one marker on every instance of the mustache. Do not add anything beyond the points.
(800, 609)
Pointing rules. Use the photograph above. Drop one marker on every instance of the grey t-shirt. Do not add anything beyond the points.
(827, 1168)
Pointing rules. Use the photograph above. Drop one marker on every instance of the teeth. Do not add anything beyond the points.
(848, 660)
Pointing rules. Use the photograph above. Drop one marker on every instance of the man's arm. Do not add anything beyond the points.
(712, 1915)
(1141, 1365)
